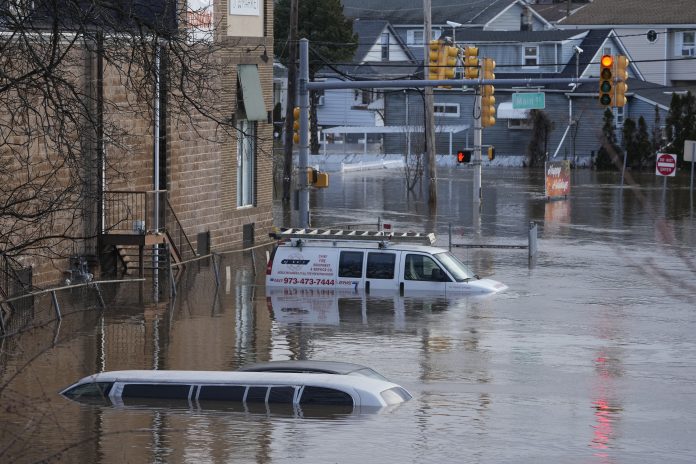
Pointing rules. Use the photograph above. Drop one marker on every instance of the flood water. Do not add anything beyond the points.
(588, 357)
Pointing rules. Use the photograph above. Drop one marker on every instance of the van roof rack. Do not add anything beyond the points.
(340, 234)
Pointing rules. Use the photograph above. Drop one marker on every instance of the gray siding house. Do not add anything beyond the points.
(524, 45)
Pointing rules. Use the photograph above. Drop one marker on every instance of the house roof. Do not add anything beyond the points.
(630, 12)
(369, 32)
(411, 11)
(480, 36)
(553, 12)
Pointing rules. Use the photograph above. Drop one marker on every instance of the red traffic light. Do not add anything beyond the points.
(464, 156)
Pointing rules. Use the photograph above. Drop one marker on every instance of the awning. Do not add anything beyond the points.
(506, 111)
(251, 91)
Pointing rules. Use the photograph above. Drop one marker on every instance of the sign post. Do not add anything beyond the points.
(690, 155)
(665, 166)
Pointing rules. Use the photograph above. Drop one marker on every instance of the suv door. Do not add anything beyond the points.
(420, 273)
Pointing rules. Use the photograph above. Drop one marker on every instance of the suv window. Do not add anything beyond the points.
(321, 395)
(380, 265)
(350, 264)
(151, 390)
(222, 393)
(91, 390)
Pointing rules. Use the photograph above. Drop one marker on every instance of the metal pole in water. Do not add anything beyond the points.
(532, 239)
(304, 134)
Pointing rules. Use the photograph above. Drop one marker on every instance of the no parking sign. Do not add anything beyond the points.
(666, 164)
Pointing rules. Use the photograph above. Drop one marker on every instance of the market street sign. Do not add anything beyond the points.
(529, 101)
(666, 164)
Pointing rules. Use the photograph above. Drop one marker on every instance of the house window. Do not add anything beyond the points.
(607, 51)
(246, 159)
(688, 47)
(385, 46)
(414, 36)
(446, 109)
(519, 124)
(366, 96)
(531, 56)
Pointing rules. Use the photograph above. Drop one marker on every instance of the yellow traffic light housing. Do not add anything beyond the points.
(488, 66)
(606, 81)
(491, 153)
(435, 50)
(296, 124)
(471, 63)
(621, 75)
(449, 58)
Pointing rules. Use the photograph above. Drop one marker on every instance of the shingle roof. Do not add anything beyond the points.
(480, 36)
(411, 11)
(629, 12)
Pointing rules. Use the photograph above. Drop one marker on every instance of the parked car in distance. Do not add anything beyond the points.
(313, 367)
(246, 387)
(370, 261)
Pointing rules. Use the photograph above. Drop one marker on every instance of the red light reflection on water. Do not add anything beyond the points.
(606, 412)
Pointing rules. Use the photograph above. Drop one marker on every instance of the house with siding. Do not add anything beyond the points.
(660, 37)
(524, 44)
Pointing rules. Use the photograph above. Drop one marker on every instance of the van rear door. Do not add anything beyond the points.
(421, 273)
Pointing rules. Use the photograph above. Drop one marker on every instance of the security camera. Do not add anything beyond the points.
(578, 49)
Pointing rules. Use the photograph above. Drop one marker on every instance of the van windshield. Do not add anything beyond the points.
(459, 271)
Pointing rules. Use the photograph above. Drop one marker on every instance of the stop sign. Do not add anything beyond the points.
(666, 164)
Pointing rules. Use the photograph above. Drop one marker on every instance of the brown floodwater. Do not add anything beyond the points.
(588, 357)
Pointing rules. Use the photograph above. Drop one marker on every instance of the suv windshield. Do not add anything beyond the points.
(459, 271)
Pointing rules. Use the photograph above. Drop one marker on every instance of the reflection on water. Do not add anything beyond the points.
(588, 357)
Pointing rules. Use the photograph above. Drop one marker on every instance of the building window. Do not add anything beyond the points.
(414, 36)
(516, 124)
(446, 109)
(531, 56)
(607, 51)
(385, 46)
(688, 47)
(246, 159)
(366, 98)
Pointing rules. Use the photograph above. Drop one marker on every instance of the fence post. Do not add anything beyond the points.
(532, 239)
(56, 306)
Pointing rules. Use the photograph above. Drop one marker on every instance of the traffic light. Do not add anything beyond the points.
(449, 61)
(471, 63)
(606, 81)
(491, 153)
(435, 72)
(621, 73)
(296, 124)
(463, 156)
(487, 94)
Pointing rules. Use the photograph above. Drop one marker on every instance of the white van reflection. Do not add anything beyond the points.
(329, 306)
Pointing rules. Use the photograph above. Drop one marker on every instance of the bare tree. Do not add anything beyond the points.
(77, 83)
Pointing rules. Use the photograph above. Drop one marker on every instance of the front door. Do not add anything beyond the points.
(421, 273)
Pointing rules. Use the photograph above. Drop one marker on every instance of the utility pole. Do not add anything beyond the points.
(290, 105)
(478, 138)
(431, 172)
(304, 134)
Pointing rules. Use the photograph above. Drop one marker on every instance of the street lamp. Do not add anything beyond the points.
(454, 27)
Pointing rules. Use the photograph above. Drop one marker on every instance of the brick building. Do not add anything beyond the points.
(215, 166)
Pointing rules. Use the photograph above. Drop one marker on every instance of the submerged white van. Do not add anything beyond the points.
(369, 261)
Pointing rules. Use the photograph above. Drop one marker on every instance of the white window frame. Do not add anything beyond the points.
(607, 51)
(525, 56)
(384, 45)
(246, 163)
(411, 36)
(687, 48)
(445, 114)
(619, 116)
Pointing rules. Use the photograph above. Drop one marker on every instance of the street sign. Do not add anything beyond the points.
(666, 164)
(529, 101)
